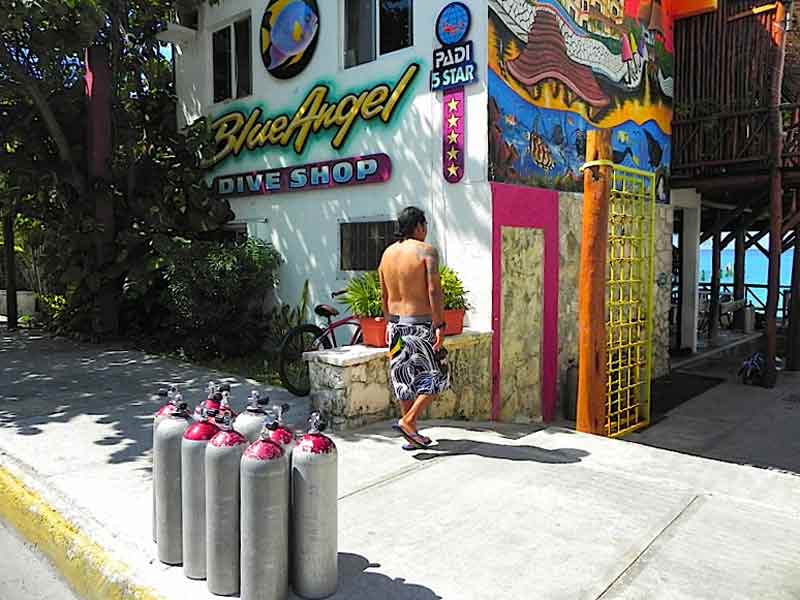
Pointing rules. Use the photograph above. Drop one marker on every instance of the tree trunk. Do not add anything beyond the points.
(11, 271)
(98, 93)
(592, 287)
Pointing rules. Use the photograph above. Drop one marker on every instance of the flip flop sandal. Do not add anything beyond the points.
(412, 447)
(414, 439)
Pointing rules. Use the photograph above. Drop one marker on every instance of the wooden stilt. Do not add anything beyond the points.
(793, 338)
(739, 276)
(716, 265)
(776, 199)
(592, 374)
(773, 279)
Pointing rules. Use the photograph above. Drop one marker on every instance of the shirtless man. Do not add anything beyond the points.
(412, 303)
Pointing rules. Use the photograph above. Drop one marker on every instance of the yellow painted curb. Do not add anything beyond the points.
(85, 566)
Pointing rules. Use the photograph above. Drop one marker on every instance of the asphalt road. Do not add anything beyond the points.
(24, 574)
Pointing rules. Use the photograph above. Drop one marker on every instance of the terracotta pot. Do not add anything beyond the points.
(454, 318)
(373, 330)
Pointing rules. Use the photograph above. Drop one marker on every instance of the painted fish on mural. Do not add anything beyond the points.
(540, 152)
(293, 29)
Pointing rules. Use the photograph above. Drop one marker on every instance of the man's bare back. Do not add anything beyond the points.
(409, 274)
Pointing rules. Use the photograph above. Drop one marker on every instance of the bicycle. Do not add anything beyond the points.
(292, 369)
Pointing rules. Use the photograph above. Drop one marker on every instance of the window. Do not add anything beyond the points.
(362, 244)
(231, 55)
(230, 233)
(188, 18)
(371, 24)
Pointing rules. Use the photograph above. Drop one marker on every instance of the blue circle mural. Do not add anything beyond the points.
(289, 32)
(453, 24)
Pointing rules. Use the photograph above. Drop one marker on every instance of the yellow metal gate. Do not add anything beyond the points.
(629, 300)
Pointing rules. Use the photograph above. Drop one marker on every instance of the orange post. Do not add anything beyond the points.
(592, 286)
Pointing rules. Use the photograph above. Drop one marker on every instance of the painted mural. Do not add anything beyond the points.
(558, 68)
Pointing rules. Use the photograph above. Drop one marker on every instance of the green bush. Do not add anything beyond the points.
(455, 295)
(203, 299)
(363, 295)
(216, 295)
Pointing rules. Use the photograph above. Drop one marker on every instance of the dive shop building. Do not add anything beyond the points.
(331, 116)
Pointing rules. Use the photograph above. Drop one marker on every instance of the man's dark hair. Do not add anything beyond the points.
(408, 221)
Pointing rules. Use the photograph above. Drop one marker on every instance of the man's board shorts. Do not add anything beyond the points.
(414, 367)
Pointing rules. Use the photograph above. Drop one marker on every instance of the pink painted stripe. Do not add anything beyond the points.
(516, 206)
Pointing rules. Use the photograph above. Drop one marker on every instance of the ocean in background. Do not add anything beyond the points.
(756, 268)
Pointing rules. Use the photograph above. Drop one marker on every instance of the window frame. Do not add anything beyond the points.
(376, 36)
(230, 24)
(381, 218)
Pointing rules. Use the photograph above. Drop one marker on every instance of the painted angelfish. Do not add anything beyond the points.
(292, 32)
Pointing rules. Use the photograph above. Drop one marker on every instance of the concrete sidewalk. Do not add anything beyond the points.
(493, 511)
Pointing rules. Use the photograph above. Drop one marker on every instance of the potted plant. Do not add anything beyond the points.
(363, 297)
(455, 300)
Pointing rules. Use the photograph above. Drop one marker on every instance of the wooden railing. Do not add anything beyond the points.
(733, 142)
(758, 301)
(791, 136)
(705, 146)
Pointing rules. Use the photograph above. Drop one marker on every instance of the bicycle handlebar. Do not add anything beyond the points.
(339, 293)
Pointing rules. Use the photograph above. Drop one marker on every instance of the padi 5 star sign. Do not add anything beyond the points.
(453, 68)
(453, 63)
(236, 132)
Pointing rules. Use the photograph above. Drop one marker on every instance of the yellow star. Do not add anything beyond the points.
(452, 154)
(452, 137)
(452, 170)
(452, 106)
(453, 121)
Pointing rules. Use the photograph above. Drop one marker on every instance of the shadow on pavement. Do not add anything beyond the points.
(357, 582)
(445, 447)
(46, 381)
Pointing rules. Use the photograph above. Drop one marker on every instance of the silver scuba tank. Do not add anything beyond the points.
(211, 389)
(223, 458)
(314, 514)
(251, 421)
(193, 493)
(264, 520)
(166, 407)
(167, 480)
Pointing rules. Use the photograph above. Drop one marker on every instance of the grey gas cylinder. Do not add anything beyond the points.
(166, 407)
(264, 521)
(167, 481)
(314, 514)
(223, 458)
(193, 493)
(211, 389)
(251, 421)
(280, 432)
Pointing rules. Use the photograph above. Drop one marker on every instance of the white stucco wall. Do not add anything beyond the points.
(304, 226)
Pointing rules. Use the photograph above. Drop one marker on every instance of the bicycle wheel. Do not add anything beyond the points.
(292, 369)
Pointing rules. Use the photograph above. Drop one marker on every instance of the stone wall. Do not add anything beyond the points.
(663, 289)
(351, 386)
(570, 216)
